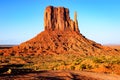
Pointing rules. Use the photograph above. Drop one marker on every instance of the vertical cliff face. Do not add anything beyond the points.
(57, 18)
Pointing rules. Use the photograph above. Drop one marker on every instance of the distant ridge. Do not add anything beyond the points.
(6, 46)
(113, 46)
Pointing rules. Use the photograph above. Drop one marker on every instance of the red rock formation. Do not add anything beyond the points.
(57, 18)
(61, 35)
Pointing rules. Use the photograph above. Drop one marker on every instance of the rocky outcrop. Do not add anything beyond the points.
(61, 35)
(57, 18)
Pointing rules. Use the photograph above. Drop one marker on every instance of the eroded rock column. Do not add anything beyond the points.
(57, 18)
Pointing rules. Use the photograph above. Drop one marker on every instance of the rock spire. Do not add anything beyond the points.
(57, 18)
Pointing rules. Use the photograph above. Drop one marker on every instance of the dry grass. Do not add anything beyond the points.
(105, 64)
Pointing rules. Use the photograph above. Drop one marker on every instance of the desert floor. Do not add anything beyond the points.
(107, 68)
(60, 75)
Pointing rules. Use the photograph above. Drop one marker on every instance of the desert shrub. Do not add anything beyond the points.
(72, 67)
(114, 60)
(82, 67)
(12, 54)
(1, 53)
(85, 66)
(89, 66)
(77, 61)
(98, 60)
(107, 59)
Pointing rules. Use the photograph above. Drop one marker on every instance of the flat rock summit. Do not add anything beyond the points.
(61, 35)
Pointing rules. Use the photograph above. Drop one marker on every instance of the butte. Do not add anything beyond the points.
(61, 35)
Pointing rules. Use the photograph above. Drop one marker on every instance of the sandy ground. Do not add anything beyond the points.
(60, 75)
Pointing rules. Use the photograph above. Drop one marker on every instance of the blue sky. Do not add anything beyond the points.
(20, 20)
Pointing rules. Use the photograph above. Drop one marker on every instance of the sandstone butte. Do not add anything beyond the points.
(61, 35)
